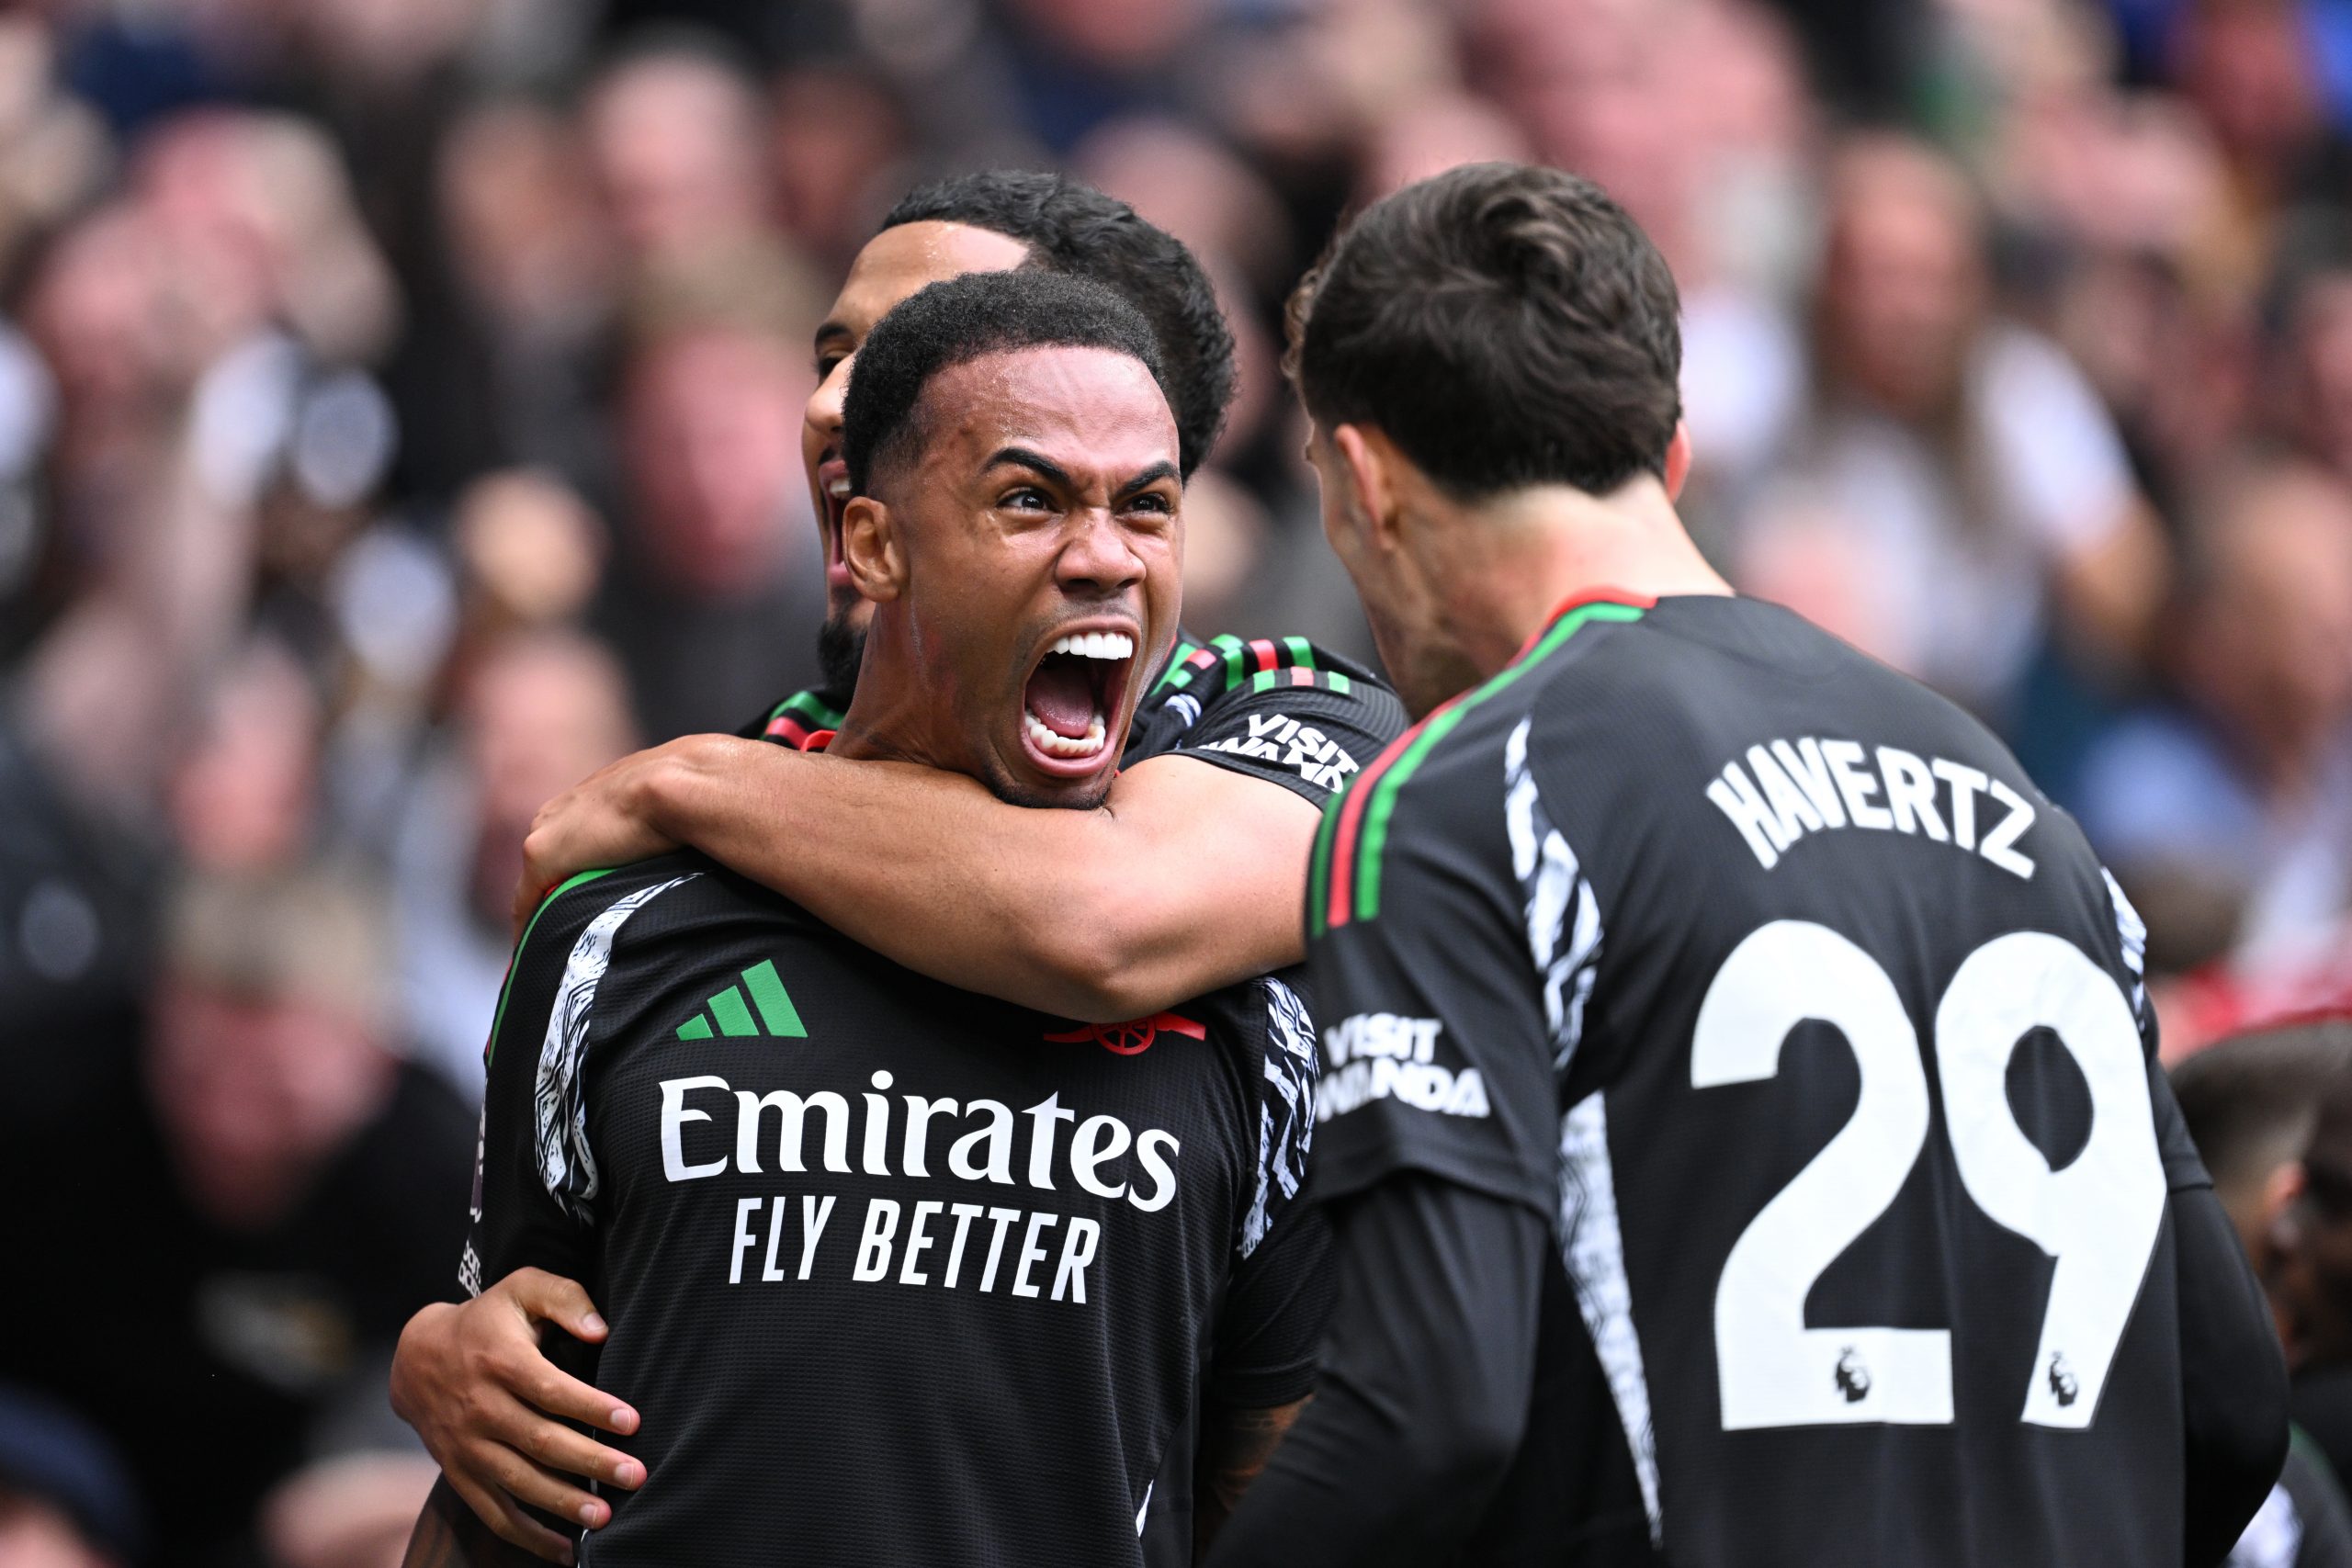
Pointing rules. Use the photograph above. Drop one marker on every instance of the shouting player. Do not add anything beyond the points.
(1187, 879)
(1740, 1099)
(898, 1273)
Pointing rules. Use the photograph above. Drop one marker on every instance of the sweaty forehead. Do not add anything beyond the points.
(1094, 413)
(901, 261)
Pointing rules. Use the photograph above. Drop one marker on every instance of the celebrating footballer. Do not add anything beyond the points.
(1718, 1122)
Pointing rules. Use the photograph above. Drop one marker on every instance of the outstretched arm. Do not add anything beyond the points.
(1188, 878)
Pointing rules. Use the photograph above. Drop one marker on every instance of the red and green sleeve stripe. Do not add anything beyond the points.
(1345, 880)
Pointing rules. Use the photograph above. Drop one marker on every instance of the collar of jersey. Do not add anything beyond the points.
(1601, 596)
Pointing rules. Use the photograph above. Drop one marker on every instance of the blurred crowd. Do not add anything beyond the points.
(400, 417)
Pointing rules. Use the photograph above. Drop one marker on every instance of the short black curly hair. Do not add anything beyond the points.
(956, 322)
(1506, 326)
(1076, 230)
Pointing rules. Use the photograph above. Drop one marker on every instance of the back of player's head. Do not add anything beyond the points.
(2252, 1103)
(1504, 325)
(963, 319)
(1075, 228)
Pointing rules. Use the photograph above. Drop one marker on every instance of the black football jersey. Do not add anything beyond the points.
(894, 1273)
(1818, 1035)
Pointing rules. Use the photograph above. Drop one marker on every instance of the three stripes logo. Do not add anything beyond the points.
(781, 1019)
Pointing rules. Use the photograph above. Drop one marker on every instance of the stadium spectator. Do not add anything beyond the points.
(285, 1192)
(539, 711)
(837, 134)
(1970, 471)
(674, 132)
(2231, 808)
(2312, 348)
(501, 365)
(717, 588)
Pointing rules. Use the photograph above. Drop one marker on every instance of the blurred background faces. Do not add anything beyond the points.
(400, 418)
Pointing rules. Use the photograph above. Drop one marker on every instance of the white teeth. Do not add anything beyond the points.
(1097, 645)
(839, 488)
(1054, 745)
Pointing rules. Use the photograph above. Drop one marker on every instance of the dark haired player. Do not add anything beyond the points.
(1740, 1105)
(1186, 879)
(898, 1273)
(2252, 1103)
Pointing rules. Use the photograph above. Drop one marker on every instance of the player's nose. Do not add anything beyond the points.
(1097, 557)
(823, 412)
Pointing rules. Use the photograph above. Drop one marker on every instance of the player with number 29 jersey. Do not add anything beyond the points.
(1819, 1037)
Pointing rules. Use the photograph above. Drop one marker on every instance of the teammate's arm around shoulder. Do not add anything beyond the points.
(1185, 880)
(473, 1378)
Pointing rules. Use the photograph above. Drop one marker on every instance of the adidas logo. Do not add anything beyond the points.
(768, 994)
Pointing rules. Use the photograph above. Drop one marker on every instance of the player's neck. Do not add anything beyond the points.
(889, 720)
(1538, 548)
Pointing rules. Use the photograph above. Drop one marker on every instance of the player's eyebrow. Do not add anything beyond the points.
(1021, 456)
(829, 331)
(1163, 469)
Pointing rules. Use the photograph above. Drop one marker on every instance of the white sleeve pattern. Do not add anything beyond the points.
(567, 1165)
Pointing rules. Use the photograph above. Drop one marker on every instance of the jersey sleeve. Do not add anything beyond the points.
(535, 1176)
(1279, 1299)
(2184, 1167)
(1435, 1054)
(1285, 714)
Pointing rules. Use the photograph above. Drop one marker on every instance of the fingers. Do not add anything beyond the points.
(551, 1297)
(514, 1362)
(498, 1511)
(547, 1387)
(517, 1478)
(561, 1449)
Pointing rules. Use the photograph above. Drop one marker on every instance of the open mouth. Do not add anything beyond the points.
(1072, 698)
(833, 494)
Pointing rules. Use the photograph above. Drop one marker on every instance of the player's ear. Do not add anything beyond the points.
(872, 550)
(1677, 459)
(1364, 468)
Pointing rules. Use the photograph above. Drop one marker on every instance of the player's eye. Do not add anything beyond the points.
(828, 363)
(1026, 498)
(1152, 501)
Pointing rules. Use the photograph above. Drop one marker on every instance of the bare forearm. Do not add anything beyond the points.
(1113, 913)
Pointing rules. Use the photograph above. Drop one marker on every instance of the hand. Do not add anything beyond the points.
(472, 1381)
(600, 821)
